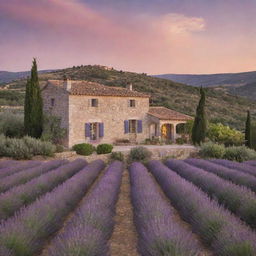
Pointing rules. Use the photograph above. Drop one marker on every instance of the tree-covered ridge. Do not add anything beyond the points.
(220, 106)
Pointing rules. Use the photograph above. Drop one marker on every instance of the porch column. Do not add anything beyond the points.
(174, 134)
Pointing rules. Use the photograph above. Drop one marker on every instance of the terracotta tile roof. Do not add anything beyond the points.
(96, 89)
(168, 114)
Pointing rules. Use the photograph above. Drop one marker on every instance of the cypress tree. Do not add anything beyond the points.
(248, 132)
(200, 122)
(33, 117)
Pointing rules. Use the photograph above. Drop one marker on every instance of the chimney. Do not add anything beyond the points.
(129, 86)
(67, 84)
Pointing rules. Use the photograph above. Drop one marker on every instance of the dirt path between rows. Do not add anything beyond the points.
(124, 238)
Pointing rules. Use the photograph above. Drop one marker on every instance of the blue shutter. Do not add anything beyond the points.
(139, 126)
(101, 129)
(87, 130)
(126, 126)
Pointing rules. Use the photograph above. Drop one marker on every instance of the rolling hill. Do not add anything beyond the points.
(221, 106)
(213, 80)
(7, 77)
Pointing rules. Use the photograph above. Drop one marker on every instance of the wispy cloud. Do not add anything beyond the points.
(70, 32)
(178, 23)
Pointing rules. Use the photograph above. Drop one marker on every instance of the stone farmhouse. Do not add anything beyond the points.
(95, 113)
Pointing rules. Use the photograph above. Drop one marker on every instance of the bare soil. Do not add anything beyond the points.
(124, 238)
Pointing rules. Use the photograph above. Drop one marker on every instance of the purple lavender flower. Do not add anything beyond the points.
(25, 194)
(28, 174)
(239, 200)
(218, 228)
(27, 231)
(88, 231)
(159, 232)
(9, 170)
(7, 163)
(250, 162)
(243, 167)
(235, 176)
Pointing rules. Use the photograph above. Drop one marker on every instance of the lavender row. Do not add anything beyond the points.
(9, 170)
(15, 198)
(7, 163)
(250, 162)
(159, 232)
(28, 174)
(90, 228)
(238, 199)
(246, 168)
(27, 231)
(218, 228)
(235, 176)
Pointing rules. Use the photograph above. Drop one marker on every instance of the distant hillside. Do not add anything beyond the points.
(221, 107)
(248, 90)
(213, 80)
(6, 76)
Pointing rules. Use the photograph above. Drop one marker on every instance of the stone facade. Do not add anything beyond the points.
(93, 113)
(112, 111)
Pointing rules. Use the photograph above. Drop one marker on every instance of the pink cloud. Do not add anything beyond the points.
(55, 14)
(69, 32)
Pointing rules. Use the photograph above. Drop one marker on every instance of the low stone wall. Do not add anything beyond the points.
(178, 153)
(158, 153)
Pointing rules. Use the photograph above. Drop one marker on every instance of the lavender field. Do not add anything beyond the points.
(189, 207)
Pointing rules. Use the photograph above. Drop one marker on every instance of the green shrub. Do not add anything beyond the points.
(223, 134)
(239, 154)
(11, 125)
(117, 156)
(84, 149)
(18, 149)
(25, 148)
(211, 150)
(104, 149)
(181, 141)
(52, 130)
(139, 154)
(39, 147)
(59, 148)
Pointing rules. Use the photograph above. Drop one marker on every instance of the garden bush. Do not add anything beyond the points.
(60, 148)
(25, 148)
(223, 134)
(139, 154)
(239, 154)
(104, 149)
(52, 130)
(117, 156)
(212, 150)
(84, 149)
(11, 125)
(181, 141)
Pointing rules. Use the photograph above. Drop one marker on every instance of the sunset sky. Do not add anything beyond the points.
(151, 36)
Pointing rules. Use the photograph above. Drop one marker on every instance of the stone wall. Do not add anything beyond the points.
(158, 153)
(112, 111)
(60, 108)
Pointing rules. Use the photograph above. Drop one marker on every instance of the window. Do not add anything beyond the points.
(94, 131)
(132, 103)
(94, 102)
(52, 102)
(132, 126)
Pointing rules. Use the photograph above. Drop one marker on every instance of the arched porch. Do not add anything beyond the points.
(166, 124)
(165, 130)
